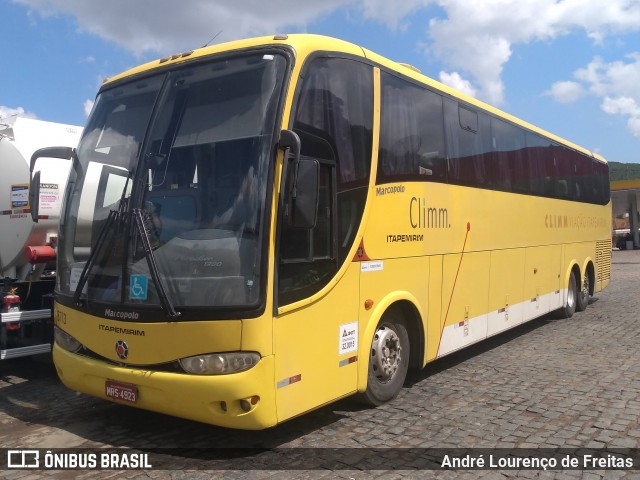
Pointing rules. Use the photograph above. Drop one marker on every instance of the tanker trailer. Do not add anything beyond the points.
(27, 248)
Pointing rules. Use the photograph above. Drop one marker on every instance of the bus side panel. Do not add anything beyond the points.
(506, 290)
(390, 281)
(556, 297)
(465, 300)
(542, 292)
(435, 319)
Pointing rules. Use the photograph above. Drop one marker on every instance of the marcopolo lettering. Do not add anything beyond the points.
(389, 190)
(120, 315)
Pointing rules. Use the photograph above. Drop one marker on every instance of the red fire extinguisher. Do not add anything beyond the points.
(11, 303)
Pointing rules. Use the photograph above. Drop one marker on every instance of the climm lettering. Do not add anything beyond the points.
(421, 216)
(573, 221)
(556, 221)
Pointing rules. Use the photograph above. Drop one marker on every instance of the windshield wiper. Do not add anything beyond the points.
(114, 215)
(143, 230)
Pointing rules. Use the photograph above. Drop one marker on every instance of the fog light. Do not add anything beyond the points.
(245, 405)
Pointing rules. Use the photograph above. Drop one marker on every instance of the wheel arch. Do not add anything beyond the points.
(408, 310)
(572, 269)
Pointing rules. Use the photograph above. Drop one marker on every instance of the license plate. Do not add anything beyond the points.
(121, 391)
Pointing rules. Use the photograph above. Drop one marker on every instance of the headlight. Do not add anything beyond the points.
(220, 363)
(66, 341)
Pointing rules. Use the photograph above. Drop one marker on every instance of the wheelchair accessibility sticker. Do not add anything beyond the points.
(138, 286)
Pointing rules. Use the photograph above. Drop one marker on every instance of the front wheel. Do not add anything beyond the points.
(388, 362)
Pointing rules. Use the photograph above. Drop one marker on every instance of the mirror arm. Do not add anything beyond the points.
(291, 141)
(65, 153)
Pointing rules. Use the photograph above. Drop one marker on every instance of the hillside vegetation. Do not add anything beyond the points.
(624, 171)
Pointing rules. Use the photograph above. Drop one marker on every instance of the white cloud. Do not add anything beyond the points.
(616, 83)
(454, 80)
(167, 26)
(9, 114)
(479, 37)
(627, 107)
(617, 78)
(566, 92)
(633, 124)
(88, 106)
(475, 38)
(392, 14)
(621, 106)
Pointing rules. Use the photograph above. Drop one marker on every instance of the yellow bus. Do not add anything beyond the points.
(255, 229)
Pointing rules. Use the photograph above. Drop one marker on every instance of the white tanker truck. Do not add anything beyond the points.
(27, 247)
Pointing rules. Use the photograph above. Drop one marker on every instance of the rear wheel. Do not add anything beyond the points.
(572, 295)
(388, 361)
(582, 298)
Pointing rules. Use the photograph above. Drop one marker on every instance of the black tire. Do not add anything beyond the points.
(572, 294)
(388, 361)
(582, 297)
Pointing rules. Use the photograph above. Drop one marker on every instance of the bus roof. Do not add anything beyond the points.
(304, 44)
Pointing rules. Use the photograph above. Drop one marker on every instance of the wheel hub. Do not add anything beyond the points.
(385, 353)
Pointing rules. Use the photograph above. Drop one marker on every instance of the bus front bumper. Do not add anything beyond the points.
(244, 400)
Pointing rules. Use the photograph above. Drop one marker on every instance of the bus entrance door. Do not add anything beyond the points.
(316, 349)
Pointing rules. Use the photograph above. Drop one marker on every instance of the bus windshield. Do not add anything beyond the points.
(168, 192)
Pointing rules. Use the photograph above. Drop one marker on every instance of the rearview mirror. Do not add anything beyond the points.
(64, 153)
(305, 186)
(304, 197)
(34, 196)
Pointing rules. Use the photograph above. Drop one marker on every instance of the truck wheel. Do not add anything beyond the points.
(582, 297)
(388, 361)
(572, 295)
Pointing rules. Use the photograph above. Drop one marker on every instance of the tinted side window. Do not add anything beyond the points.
(469, 147)
(601, 182)
(566, 162)
(506, 169)
(583, 175)
(540, 166)
(336, 106)
(334, 120)
(412, 133)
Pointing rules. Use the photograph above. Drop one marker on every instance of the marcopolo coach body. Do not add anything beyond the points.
(259, 228)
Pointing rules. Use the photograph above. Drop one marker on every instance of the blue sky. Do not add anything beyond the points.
(569, 66)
